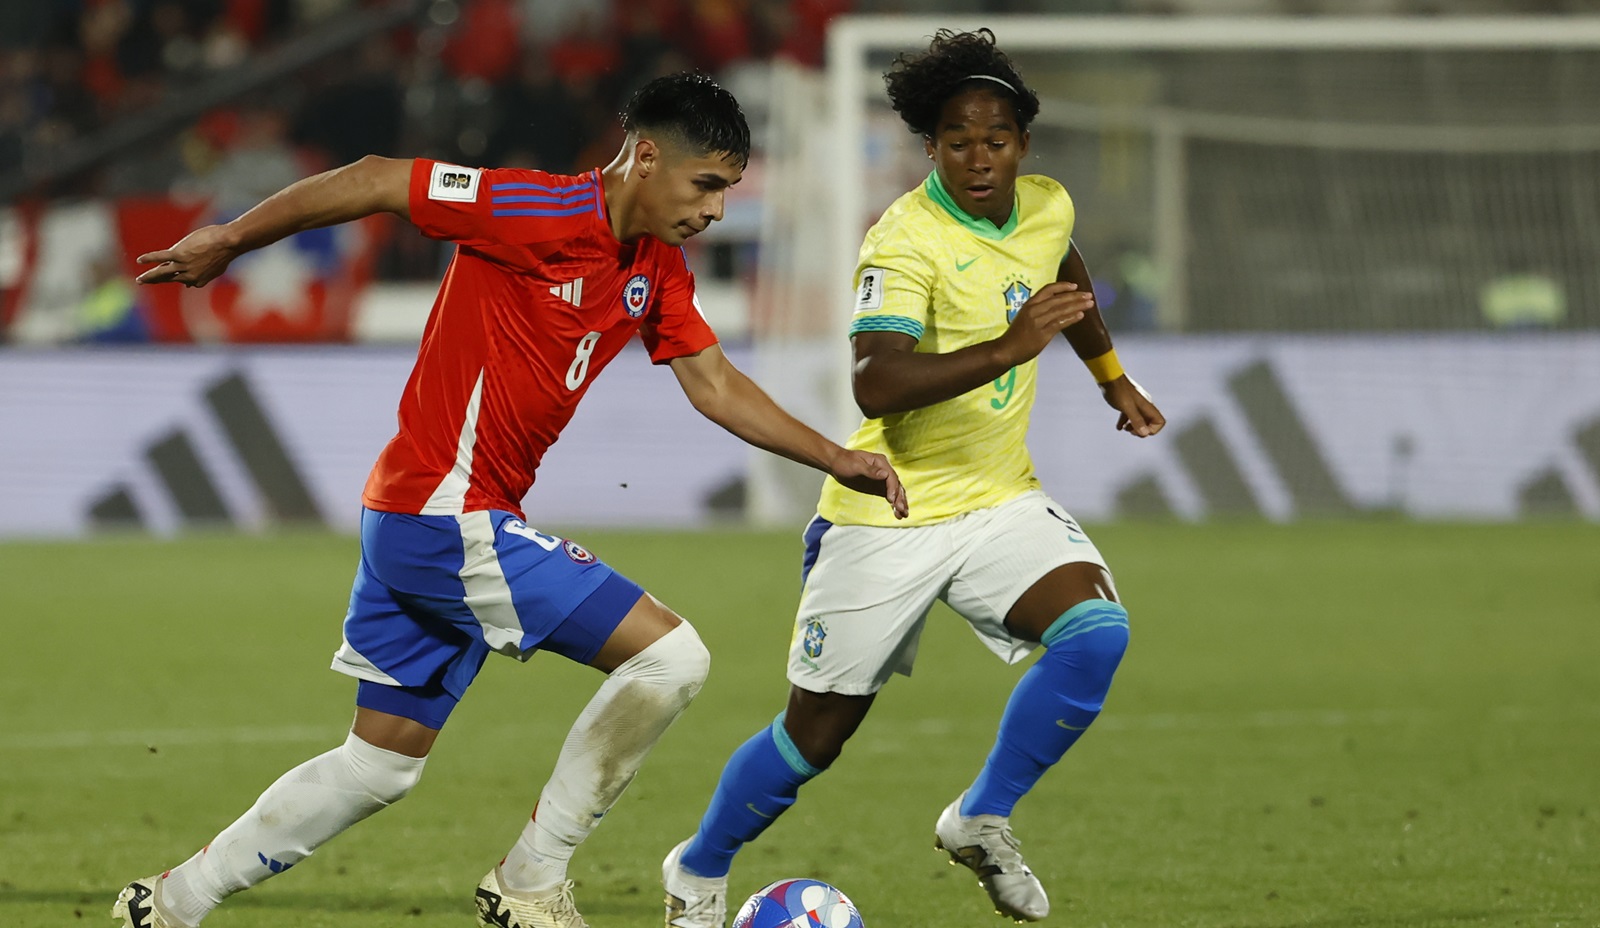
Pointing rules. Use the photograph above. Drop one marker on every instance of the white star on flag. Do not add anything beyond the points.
(271, 281)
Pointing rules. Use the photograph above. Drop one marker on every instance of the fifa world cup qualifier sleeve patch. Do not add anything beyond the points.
(869, 295)
(455, 183)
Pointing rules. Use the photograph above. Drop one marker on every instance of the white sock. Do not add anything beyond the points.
(296, 815)
(605, 748)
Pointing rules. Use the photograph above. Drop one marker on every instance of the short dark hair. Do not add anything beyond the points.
(694, 109)
(920, 85)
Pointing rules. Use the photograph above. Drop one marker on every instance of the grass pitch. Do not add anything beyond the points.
(1323, 725)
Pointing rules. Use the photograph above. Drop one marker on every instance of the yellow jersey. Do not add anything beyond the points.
(932, 271)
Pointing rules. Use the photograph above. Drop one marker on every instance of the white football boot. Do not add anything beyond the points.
(693, 901)
(139, 905)
(499, 907)
(985, 845)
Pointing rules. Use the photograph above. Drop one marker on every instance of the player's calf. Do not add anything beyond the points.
(299, 813)
(1053, 704)
(759, 783)
(606, 747)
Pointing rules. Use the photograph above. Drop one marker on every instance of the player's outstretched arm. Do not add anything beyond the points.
(371, 185)
(890, 375)
(723, 394)
(1089, 337)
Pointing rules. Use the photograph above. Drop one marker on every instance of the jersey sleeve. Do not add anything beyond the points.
(675, 326)
(1055, 199)
(499, 206)
(894, 286)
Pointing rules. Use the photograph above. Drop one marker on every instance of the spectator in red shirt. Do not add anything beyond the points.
(486, 44)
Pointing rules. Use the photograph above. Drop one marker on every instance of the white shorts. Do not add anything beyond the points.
(868, 589)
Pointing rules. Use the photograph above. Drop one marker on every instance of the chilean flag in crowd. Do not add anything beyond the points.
(67, 270)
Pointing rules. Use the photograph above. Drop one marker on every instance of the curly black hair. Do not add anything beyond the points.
(920, 85)
(693, 108)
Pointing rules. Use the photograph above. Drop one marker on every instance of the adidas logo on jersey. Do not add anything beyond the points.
(569, 292)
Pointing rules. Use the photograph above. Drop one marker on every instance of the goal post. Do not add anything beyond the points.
(1232, 175)
(852, 81)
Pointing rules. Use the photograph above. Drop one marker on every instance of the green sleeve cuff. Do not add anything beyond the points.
(880, 323)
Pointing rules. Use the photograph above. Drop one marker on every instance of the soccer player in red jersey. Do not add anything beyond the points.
(552, 276)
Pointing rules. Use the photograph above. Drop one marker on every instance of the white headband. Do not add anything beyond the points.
(990, 77)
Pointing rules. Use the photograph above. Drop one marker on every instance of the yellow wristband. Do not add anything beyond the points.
(1105, 368)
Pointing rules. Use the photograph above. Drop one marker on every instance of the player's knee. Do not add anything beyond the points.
(691, 658)
(1102, 651)
(819, 724)
(678, 660)
(1104, 647)
(384, 775)
(820, 746)
(1091, 637)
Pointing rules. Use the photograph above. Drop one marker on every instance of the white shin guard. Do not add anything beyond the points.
(607, 745)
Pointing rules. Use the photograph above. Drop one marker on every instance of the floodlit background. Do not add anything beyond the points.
(1353, 249)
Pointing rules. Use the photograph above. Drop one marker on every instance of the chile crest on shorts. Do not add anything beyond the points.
(636, 295)
(578, 553)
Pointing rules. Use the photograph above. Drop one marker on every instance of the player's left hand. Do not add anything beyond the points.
(195, 261)
(866, 472)
(1139, 414)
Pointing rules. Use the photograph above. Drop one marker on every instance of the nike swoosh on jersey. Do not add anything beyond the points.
(1063, 724)
(961, 266)
(752, 807)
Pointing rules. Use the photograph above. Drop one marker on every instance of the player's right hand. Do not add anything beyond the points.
(197, 260)
(1056, 306)
(870, 473)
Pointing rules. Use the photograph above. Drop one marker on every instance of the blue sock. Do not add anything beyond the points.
(1053, 704)
(759, 783)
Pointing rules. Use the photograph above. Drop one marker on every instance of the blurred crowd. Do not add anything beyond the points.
(514, 82)
(511, 82)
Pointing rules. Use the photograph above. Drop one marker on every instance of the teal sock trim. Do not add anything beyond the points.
(1084, 617)
(791, 754)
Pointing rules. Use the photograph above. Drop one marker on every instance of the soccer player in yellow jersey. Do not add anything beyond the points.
(960, 285)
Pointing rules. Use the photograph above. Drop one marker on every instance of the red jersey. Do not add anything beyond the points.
(539, 297)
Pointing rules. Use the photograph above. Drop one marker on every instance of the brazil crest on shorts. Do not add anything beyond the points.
(816, 633)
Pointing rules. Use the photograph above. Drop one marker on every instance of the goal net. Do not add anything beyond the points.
(1316, 178)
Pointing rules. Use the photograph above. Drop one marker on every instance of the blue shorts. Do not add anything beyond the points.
(435, 594)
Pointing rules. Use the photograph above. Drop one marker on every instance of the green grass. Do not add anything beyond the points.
(1324, 725)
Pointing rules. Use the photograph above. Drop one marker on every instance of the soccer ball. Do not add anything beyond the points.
(799, 904)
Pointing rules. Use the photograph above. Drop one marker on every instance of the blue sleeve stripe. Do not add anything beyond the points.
(564, 199)
(900, 324)
(545, 212)
(566, 188)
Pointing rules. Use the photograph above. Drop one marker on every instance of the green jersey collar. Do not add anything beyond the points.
(984, 228)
